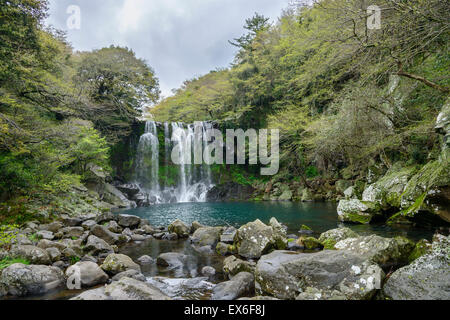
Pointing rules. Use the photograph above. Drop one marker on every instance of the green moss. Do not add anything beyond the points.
(422, 247)
(5, 263)
(305, 228)
(359, 218)
(329, 244)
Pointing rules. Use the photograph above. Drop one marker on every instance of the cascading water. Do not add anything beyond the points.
(192, 181)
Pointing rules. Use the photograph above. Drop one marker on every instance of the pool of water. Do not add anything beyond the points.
(318, 216)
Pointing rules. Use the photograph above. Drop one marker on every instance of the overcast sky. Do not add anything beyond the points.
(180, 39)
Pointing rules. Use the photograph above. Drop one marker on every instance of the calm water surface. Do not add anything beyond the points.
(318, 216)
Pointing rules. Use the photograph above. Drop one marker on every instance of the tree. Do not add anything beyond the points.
(119, 86)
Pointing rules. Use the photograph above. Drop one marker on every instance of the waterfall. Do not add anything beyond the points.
(192, 182)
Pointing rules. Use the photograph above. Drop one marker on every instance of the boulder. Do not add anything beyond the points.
(93, 295)
(224, 249)
(207, 236)
(228, 235)
(128, 221)
(145, 260)
(22, 280)
(89, 273)
(208, 272)
(89, 224)
(106, 217)
(356, 211)
(171, 260)
(195, 226)
(54, 253)
(232, 266)
(96, 246)
(45, 244)
(108, 236)
(131, 289)
(113, 226)
(255, 238)
(427, 278)
(34, 255)
(240, 285)
(386, 252)
(180, 289)
(179, 228)
(285, 274)
(47, 235)
(331, 237)
(117, 263)
(134, 274)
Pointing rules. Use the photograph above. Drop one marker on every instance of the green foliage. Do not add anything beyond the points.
(8, 233)
(5, 263)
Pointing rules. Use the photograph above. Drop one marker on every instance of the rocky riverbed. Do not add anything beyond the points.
(124, 257)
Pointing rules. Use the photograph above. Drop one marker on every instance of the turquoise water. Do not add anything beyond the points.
(318, 216)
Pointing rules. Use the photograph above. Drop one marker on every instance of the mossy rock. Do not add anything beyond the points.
(310, 243)
(422, 248)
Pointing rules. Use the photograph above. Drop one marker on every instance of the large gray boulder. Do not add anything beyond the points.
(385, 252)
(240, 285)
(207, 236)
(22, 280)
(331, 237)
(110, 237)
(356, 211)
(255, 238)
(427, 278)
(233, 266)
(93, 295)
(285, 274)
(96, 246)
(117, 263)
(34, 255)
(178, 289)
(171, 260)
(179, 228)
(131, 289)
(128, 221)
(89, 273)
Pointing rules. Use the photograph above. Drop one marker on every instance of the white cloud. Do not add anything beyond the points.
(180, 39)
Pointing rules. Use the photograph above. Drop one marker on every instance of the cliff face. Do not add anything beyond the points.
(123, 154)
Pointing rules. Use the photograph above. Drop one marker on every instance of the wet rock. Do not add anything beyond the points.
(316, 294)
(224, 249)
(145, 260)
(170, 237)
(34, 255)
(22, 280)
(131, 289)
(208, 236)
(240, 285)
(285, 274)
(427, 278)
(386, 252)
(356, 211)
(171, 260)
(331, 237)
(96, 246)
(209, 272)
(89, 273)
(93, 295)
(134, 274)
(192, 289)
(309, 243)
(228, 235)
(128, 221)
(130, 190)
(230, 192)
(195, 226)
(232, 266)
(179, 228)
(117, 263)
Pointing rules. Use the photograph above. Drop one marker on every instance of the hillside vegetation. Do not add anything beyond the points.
(60, 111)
